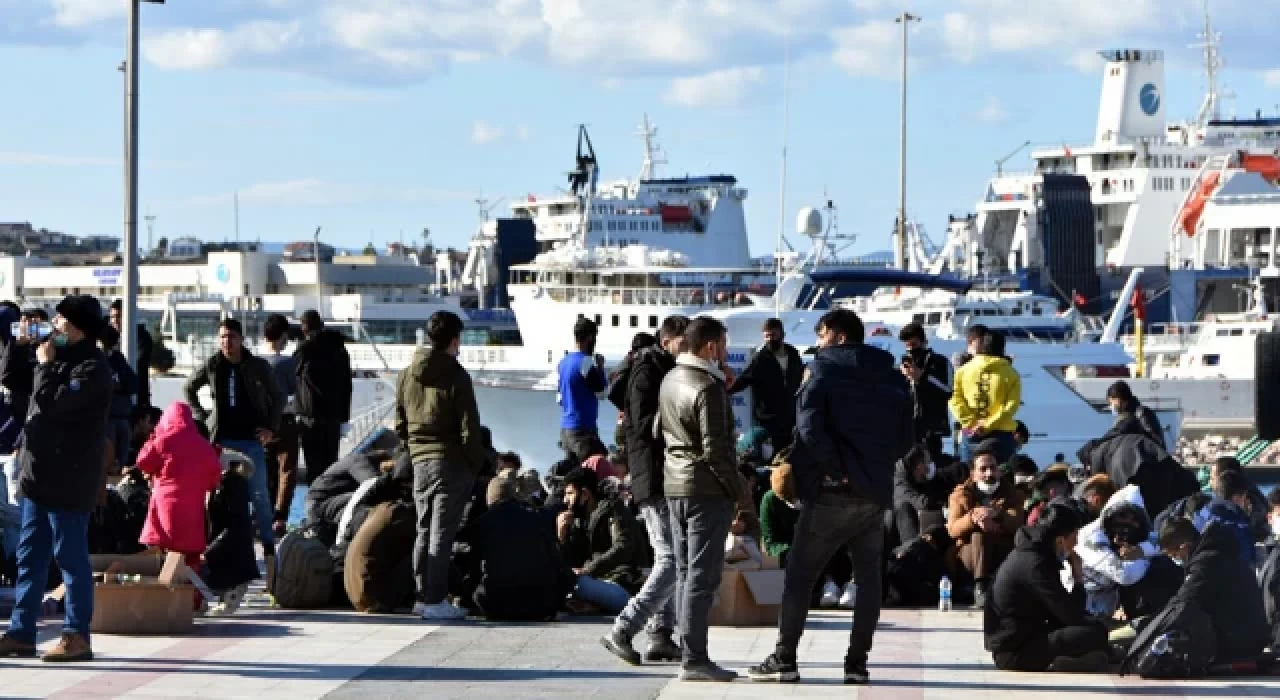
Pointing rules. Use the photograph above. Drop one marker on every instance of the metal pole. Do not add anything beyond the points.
(129, 312)
(782, 188)
(900, 245)
(315, 250)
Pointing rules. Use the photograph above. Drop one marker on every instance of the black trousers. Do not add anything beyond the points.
(1155, 590)
(1038, 654)
(320, 441)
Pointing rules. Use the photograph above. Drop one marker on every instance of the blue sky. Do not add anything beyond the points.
(376, 117)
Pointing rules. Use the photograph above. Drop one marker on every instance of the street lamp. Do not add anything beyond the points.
(900, 245)
(129, 310)
(315, 250)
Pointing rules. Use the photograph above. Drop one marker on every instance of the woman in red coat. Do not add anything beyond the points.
(184, 468)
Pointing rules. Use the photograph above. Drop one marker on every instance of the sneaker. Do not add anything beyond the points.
(662, 649)
(849, 595)
(856, 674)
(71, 647)
(443, 610)
(620, 647)
(707, 673)
(229, 602)
(774, 670)
(1093, 662)
(830, 595)
(980, 595)
(11, 648)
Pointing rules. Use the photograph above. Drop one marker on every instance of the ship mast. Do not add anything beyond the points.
(653, 154)
(1210, 42)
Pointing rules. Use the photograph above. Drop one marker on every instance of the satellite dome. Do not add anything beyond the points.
(809, 222)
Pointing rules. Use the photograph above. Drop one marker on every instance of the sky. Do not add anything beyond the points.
(375, 119)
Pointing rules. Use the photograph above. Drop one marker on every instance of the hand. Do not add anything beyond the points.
(912, 372)
(738, 527)
(578, 571)
(47, 350)
(1129, 553)
(564, 522)
(265, 435)
(729, 375)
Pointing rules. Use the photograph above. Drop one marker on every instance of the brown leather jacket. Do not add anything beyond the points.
(966, 497)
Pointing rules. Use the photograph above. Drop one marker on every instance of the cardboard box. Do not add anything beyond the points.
(161, 603)
(748, 598)
(141, 564)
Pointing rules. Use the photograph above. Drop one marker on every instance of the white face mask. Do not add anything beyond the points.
(987, 488)
(1114, 410)
(1023, 479)
(1275, 527)
(931, 472)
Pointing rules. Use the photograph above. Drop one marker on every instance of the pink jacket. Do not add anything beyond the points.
(185, 468)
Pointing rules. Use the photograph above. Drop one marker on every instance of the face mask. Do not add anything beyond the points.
(1180, 562)
(1023, 479)
(987, 488)
(931, 472)
(61, 340)
(1115, 411)
(1275, 527)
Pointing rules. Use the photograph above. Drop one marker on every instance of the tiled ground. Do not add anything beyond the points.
(263, 653)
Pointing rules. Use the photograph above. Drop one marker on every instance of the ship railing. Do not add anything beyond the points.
(368, 423)
(647, 296)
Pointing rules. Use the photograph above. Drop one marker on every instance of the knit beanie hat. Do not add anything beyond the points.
(82, 311)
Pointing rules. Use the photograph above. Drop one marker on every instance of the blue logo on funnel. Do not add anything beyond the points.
(1149, 99)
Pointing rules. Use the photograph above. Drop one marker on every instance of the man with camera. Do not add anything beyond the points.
(930, 376)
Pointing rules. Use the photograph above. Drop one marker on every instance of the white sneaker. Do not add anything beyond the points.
(229, 602)
(849, 595)
(830, 595)
(443, 611)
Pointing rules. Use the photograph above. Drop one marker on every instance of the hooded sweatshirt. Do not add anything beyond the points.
(436, 412)
(987, 389)
(1104, 570)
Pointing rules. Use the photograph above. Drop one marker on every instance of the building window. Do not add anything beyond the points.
(615, 320)
(635, 321)
(653, 321)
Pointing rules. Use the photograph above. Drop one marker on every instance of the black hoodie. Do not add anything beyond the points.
(1028, 599)
(1221, 583)
(640, 406)
(324, 378)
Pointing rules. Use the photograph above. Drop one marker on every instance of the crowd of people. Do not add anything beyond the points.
(843, 482)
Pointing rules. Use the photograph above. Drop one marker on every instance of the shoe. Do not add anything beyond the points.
(620, 647)
(849, 595)
(980, 595)
(11, 648)
(1093, 662)
(856, 674)
(662, 649)
(775, 670)
(830, 595)
(71, 647)
(229, 602)
(707, 673)
(443, 610)
(419, 608)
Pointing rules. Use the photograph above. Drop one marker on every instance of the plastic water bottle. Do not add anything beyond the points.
(1160, 647)
(944, 594)
(36, 330)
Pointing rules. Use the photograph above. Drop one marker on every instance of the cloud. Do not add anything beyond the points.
(317, 192)
(484, 133)
(50, 160)
(200, 49)
(335, 96)
(81, 13)
(870, 49)
(992, 112)
(721, 88)
(1271, 78)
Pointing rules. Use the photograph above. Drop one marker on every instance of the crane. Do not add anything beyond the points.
(1000, 163)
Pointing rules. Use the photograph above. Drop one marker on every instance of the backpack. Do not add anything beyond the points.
(304, 571)
(1178, 643)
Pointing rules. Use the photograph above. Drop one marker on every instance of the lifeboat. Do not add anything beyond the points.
(1190, 214)
(675, 214)
(1268, 166)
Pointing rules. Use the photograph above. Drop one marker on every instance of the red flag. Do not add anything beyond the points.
(1077, 299)
(1139, 303)
(1066, 150)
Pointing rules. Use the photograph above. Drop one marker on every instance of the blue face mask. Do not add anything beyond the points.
(61, 340)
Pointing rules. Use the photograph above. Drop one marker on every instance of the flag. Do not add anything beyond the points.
(1139, 303)
(1077, 299)
(1066, 149)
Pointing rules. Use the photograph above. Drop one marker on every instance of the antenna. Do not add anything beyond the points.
(653, 153)
(1210, 41)
(235, 202)
(151, 228)
(782, 189)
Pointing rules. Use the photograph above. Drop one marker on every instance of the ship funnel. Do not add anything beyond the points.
(1132, 103)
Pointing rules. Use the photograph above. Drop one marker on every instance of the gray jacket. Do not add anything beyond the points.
(695, 418)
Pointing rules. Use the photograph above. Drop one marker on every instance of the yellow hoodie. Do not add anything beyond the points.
(987, 389)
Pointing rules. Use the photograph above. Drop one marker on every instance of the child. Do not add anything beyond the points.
(230, 559)
(184, 468)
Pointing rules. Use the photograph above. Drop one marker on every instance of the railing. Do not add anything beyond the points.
(367, 424)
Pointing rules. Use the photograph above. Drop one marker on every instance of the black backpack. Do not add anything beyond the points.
(304, 572)
(1178, 643)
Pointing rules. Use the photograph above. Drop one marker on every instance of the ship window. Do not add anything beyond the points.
(598, 321)
(614, 320)
(633, 225)
(917, 318)
(1037, 311)
(1016, 311)
(1209, 360)
(934, 319)
(653, 321)
(1236, 332)
(635, 321)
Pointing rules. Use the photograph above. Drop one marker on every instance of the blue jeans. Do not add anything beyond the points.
(606, 594)
(63, 536)
(259, 497)
(655, 603)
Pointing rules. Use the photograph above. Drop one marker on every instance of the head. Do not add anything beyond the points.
(1120, 397)
(509, 460)
(581, 491)
(500, 490)
(773, 333)
(529, 486)
(1273, 512)
(1126, 526)
(144, 423)
(1221, 466)
(912, 336)
(1024, 469)
(1178, 539)
(985, 472)
(973, 338)
(276, 331)
(707, 338)
(444, 329)
(585, 332)
(79, 317)
(36, 315)
(1234, 486)
(992, 344)
(1021, 435)
(310, 322)
(642, 340)
(109, 338)
(115, 313)
(671, 335)
(231, 339)
(1054, 483)
(1096, 492)
(839, 327)
(919, 464)
(1062, 521)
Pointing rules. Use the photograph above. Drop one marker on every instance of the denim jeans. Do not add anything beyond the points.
(699, 526)
(259, 497)
(826, 524)
(63, 536)
(655, 603)
(441, 490)
(578, 445)
(611, 597)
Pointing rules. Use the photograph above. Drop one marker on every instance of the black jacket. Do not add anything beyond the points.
(259, 382)
(230, 555)
(1127, 454)
(124, 386)
(931, 394)
(145, 345)
(1222, 584)
(518, 562)
(644, 448)
(324, 378)
(1271, 593)
(1149, 421)
(17, 371)
(853, 422)
(62, 458)
(328, 494)
(1027, 600)
(773, 392)
(931, 495)
(606, 545)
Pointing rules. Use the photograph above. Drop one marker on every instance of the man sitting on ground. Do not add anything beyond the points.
(983, 516)
(1221, 583)
(598, 539)
(1095, 493)
(1051, 484)
(1031, 622)
(1258, 507)
(920, 492)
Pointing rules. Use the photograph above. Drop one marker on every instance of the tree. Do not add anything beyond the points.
(370, 250)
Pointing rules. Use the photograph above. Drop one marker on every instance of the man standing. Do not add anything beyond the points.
(773, 375)
(655, 603)
(702, 484)
(62, 475)
(323, 401)
(437, 418)
(930, 376)
(145, 344)
(246, 413)
(853, 423)
(282, 450)
(582, 380)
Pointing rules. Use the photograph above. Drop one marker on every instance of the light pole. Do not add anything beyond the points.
(315, 250)
(129, 312)
(900, 244)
